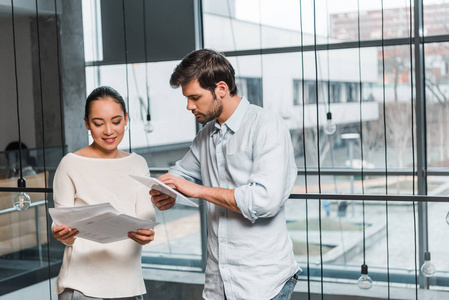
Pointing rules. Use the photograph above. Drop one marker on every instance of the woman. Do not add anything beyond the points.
(96, 174)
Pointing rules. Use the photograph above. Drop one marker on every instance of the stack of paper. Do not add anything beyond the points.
(101, 223)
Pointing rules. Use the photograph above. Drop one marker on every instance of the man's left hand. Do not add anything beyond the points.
(182, 185)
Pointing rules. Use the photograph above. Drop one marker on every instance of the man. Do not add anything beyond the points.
(242, 164)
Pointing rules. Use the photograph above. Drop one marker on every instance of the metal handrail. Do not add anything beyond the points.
(33, 204)
(38, 224)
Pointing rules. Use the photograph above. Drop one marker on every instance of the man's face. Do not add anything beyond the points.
(201, 102)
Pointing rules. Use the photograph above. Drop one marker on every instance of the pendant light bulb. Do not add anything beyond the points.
(365, 282)
(330, 126)
(21, 200)
(427, 268)
(149, 127)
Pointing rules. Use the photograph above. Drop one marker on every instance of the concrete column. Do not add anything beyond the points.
(73, 77)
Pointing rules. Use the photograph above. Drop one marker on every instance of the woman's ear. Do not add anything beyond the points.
(222, 89)
(126, 119)
(86, 123)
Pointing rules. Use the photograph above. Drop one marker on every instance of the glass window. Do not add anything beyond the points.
(297, 92)
(162, 142)
(435, 17)
(251, 88)
(437, 104)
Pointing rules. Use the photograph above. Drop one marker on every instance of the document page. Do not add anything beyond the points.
(155, 184)
(100, 223)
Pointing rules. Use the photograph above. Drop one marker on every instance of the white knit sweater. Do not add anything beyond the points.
(103, 270)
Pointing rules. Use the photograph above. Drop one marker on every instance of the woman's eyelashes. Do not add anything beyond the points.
(101, 124)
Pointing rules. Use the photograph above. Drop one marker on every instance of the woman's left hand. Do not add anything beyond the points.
(142, 236)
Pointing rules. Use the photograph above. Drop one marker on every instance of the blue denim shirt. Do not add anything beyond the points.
(250, 254)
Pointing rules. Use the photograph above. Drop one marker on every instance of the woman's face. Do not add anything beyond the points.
(106, 123)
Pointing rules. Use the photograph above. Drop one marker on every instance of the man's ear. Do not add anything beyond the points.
(222, 89)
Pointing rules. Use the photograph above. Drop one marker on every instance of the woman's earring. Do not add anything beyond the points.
(126, 127)
(89, 133)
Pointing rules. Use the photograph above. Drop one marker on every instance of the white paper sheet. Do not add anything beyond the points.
(155, 184)
(100, 223)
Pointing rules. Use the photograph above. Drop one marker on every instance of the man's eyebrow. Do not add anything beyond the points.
(193, 95)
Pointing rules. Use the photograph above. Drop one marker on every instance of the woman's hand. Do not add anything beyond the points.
(65, 234)
(162, 201)
(142, 236)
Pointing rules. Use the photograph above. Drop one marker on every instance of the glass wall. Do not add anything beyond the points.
(161, 129)
(355, 60)
(361, 62)
(31, 143)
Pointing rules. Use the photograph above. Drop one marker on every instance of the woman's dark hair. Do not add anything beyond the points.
(101, 93)
(207, 66)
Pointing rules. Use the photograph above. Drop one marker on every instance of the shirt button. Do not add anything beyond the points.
(222, 213)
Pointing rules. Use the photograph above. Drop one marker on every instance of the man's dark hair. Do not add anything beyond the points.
(12, 153)
(101, 93)
(207, 66)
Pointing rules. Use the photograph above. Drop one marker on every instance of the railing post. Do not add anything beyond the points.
(38, 234)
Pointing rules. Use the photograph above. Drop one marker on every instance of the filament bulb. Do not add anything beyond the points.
(21, 201)
(330, 126)
(149, 127)
(427, 268)
(365, 282)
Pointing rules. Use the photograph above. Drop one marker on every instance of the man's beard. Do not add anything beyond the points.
(215, 110)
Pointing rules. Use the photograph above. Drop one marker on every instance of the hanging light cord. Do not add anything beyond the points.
(328, 64)
(385, 149)
(361, 131)
(146, 59)
(231, 23)
(40, 90)
(304, 150)
(318, 144)
(329, 89)
(361, 100)
(260, 52)
(47, 221)
(61, 105)
(126, 73)
(17, 88)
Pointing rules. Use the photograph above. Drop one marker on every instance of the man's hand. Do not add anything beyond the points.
(65, 234)
(219, 196)
(163, 201)
(182, 185)
(142, 236)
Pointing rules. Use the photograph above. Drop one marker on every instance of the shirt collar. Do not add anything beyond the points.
(235, 120)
